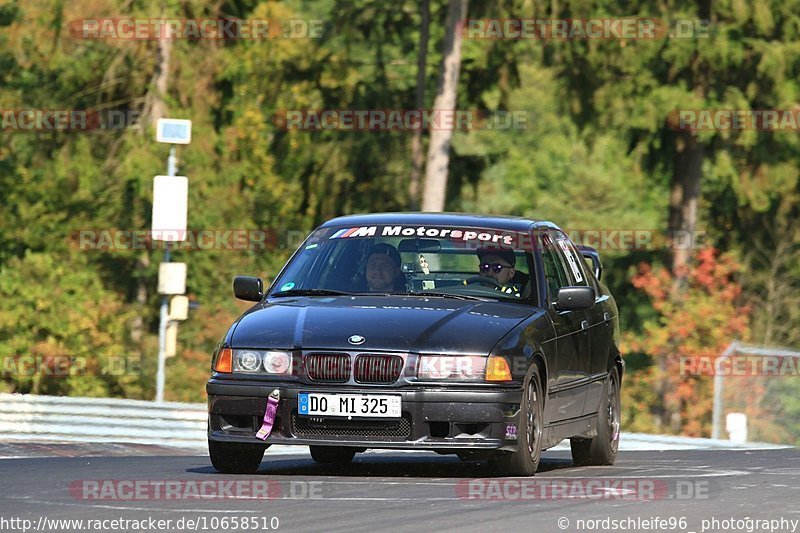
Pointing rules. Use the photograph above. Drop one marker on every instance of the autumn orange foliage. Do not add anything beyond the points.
(701, 318)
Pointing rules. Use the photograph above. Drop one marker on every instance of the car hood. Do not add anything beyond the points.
(432, 325)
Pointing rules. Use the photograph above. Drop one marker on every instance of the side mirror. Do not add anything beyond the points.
(571, 298)
(248, 288)
(592, 255)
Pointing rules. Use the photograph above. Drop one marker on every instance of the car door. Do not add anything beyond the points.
(571, 340)
(601, 332)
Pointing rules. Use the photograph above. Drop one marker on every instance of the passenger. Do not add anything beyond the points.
(383, 271)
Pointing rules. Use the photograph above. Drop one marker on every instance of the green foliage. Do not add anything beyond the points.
(60, 305)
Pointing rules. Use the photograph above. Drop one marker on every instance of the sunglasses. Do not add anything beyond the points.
(494, 267)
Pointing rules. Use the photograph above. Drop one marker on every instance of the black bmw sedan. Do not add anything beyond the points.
(489, 337)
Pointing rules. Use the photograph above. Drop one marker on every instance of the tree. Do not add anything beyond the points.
(744, 59)
(708, 317)
(598, 152)
(58, 302)
(436, 167)
(417, 156)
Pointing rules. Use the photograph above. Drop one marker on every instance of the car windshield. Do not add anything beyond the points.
(443, 261)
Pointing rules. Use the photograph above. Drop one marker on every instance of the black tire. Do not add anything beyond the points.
(525, 461)
(332, 454)
(235, 457)
(602, 450)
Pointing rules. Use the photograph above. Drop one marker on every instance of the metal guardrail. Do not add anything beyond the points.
(734, 348)
(30, 417)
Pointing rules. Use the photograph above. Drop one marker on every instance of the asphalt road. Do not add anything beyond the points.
(643, 491)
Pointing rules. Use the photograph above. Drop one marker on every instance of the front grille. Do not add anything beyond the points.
(328, 367)
(377, 368)
(330, 427)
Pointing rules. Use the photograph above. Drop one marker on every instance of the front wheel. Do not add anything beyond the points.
(602, 450)
(235, 457)
(525, 461)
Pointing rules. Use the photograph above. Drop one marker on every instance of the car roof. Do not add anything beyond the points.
(503, 222)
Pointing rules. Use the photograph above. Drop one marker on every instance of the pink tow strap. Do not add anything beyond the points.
(269, 415)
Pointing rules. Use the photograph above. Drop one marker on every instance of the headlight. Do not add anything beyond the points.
(447, 367)
(277, 362)
(262, 362)
(246, 361)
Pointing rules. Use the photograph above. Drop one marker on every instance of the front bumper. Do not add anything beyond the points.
(434, 418)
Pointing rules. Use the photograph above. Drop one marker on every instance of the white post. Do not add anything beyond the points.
(736, 426)
(162, 323)
(716, 417)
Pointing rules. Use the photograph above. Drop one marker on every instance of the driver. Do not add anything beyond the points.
(498, 264)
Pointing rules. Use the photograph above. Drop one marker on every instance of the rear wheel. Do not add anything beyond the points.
(602, 450)
(525, 461)
(332, 454)
(235, 457)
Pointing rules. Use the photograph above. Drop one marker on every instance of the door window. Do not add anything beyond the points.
(554, 271)
(573, 259)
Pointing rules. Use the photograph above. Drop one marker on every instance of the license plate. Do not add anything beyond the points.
(361, 405)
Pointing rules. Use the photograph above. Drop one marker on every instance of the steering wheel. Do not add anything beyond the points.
(484, 280)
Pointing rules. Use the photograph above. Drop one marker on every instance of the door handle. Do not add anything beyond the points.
(584, 325)
(606, 317)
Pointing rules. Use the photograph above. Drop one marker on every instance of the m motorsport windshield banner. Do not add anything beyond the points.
(467, 236)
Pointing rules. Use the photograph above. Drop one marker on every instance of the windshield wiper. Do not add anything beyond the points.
(309, 292)
(435, 295)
